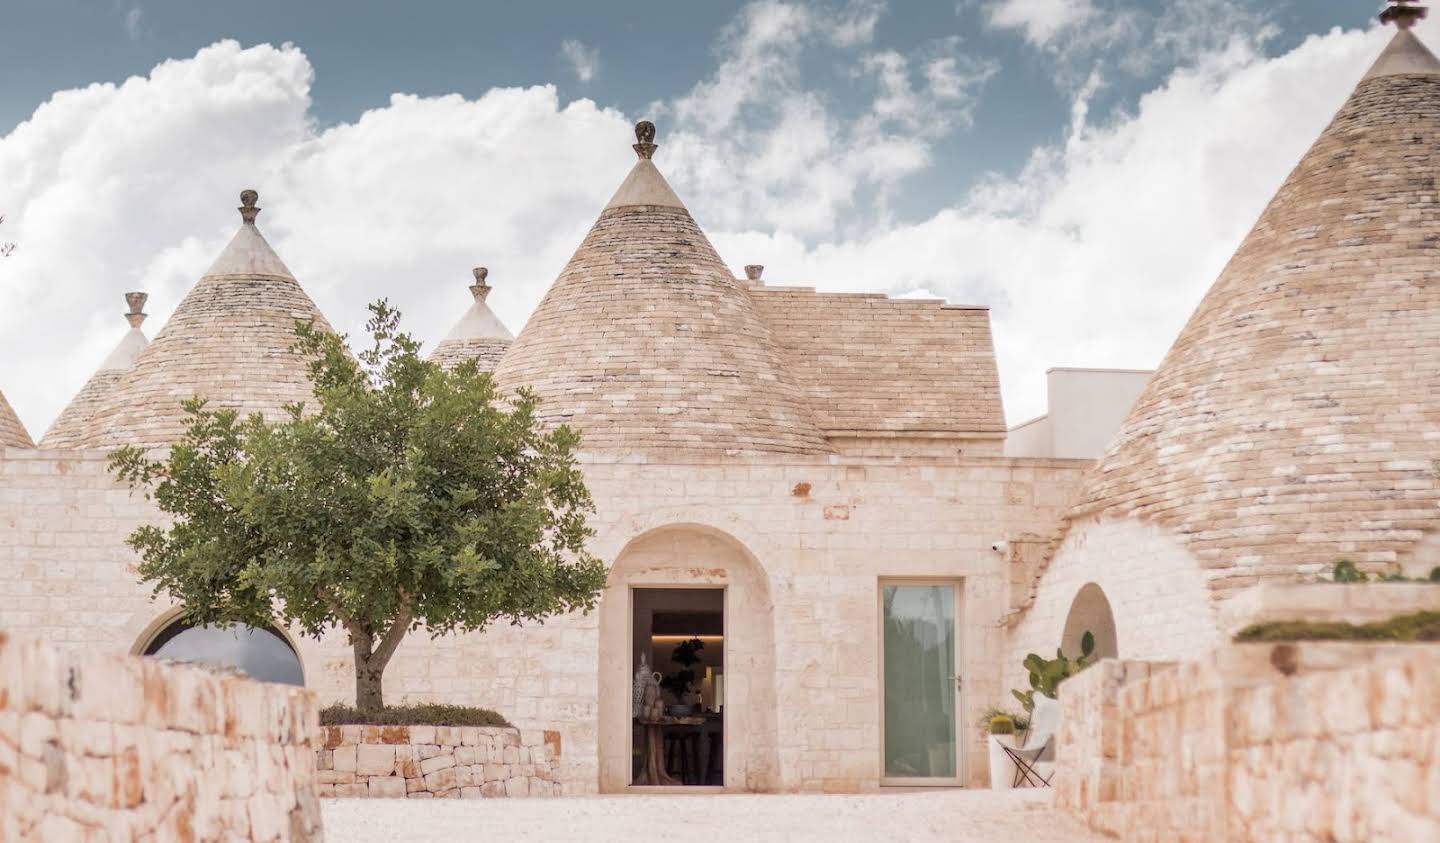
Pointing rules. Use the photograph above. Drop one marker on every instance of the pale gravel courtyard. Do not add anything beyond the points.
(957, 816)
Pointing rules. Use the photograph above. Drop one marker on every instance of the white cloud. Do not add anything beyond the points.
(1040, 21)
(585, 61)
(1093, 256)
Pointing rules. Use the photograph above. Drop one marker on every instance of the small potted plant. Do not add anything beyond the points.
(1002, 734)
(687, 655)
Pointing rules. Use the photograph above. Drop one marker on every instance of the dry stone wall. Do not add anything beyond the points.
(116, 748)
(438, 762)
(1331, 742)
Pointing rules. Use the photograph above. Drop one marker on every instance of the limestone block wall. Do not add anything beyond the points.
(444, 762)
(103, 747)
(822, 533)
(1157, 592)
(1258, 742)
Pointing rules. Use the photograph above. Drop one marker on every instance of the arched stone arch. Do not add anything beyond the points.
(173, 616)
(690, 555)
(1090, 612)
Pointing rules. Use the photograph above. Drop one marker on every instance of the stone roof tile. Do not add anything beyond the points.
(12, 431)
(74, 424)
(1296, 419)
(479, 335)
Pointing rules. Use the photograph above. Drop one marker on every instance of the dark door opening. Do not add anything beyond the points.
(678, 668)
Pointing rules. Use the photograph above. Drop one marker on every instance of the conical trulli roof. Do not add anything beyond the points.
(1296, 420)
(647, 342)
(75, 423)
(478, 336)
(228, 341)
(12, 431)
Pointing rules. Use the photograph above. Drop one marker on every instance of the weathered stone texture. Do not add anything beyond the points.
(118, 748)
(438, 762)
(228, 341)
(1296, 419)
(12, 431)
(645, 342)
(869, 364)
(1335, 742)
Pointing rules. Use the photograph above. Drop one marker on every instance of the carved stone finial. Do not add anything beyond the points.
(1403, 13)
(136, 302)
(248, 210)
(480, 289)
(753, 271)
(645, 134)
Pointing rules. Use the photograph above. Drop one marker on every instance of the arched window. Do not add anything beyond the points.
(1090, 613)
(261, 653)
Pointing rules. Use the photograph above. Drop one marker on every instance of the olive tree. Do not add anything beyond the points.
(409, 495)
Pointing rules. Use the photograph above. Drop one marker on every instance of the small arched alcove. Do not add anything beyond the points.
(1090, 612)
(264, 653)
(669, 559)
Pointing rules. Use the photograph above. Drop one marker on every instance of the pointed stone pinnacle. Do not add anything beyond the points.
(248, 210)
(1403, 13)
(480, 289)
(753, 271)
(645, 134)
(136, 302)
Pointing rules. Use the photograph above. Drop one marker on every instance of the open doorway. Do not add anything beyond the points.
(678, 643)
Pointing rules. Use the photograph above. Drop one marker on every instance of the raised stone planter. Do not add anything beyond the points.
(444, 762)
(1356, 603)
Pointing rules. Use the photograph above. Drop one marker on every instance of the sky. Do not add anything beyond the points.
(1082, 167)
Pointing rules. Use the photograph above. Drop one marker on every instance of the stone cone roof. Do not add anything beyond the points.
(647, 342)
(228, 341)
(12, 431)
(1296, 419)
(74, 424)
(478, 336)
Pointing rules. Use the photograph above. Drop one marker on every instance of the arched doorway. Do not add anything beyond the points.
(692, 556)
(262, 653)
(1090, 612)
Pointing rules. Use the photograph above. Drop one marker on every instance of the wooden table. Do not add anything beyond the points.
(652, 771)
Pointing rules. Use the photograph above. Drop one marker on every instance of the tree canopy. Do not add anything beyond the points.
(408, 495)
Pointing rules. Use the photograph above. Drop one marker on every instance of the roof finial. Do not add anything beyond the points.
(136, 302)
(480, 289)
(645, 134)
(1403, 13)
(247, 208)
(753, 271)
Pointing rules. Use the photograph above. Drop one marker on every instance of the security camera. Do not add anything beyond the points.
(1000, 546)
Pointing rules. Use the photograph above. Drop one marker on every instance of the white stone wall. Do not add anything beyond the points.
(824, 531)
(1157, 593)
(105, 747)
(437, 762)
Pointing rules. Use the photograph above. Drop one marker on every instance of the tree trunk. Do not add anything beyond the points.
(370, 660)
(369, 688)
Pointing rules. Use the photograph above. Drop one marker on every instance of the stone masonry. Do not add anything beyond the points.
(1328, 742)
(438, 762)
(115, 748)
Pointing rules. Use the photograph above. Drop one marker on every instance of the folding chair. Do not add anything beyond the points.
(1044, 719)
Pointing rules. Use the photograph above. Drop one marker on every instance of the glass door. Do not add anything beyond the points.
(921, 688)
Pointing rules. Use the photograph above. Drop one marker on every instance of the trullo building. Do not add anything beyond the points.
(817, 485)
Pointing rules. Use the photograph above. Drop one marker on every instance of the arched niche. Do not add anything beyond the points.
(264, 653)
(1090, 612)
(693, 555)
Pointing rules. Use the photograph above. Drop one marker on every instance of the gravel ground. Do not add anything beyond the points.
(958, 816)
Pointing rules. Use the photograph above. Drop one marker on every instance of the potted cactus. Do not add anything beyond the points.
(1002, 734)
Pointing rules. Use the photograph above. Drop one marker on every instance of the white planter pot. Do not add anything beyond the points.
(1002, 769)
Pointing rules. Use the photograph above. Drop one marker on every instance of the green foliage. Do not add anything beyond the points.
(687, 655)
(1345, 571)
(1435, 574)
(408, 495)
(1419, 626)
(1001, 724)
(1021, 722)
(1047, 674)
(411, 715)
